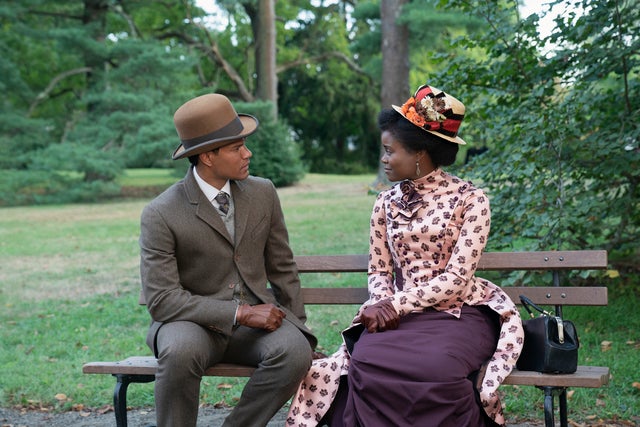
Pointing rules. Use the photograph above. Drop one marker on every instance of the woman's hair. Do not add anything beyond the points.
(414, 139)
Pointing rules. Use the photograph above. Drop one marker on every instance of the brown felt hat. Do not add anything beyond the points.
(209, 122)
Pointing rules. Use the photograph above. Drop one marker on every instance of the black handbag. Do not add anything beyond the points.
(550, 342)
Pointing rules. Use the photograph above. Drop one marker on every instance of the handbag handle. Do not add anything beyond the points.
(528, 305)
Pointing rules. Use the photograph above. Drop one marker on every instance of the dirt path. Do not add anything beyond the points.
(208, 416)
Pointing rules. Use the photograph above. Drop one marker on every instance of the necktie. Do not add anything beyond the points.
(223, 200)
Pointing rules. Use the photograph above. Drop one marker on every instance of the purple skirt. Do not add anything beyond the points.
(421, 374)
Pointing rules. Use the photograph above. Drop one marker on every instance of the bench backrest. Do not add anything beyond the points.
(504, 261)
(554, 261)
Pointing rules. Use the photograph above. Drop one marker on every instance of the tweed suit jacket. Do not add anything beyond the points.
(189, 262)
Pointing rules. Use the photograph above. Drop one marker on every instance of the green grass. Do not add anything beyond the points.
(147, 177)
(69, 285)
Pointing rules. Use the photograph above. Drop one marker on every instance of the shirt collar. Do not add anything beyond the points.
(209, 190)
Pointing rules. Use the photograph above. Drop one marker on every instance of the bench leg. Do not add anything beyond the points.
(562, 404)
(548, 407)
(549, 395)
(120, 394)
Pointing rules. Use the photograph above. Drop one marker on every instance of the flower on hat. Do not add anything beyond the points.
(427, 110)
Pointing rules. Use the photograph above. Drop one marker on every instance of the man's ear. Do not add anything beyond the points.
(207, 157)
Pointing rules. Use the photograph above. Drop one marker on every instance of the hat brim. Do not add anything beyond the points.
(454, 139)
(249, 126)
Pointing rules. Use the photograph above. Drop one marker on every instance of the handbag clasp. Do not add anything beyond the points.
(560, 329)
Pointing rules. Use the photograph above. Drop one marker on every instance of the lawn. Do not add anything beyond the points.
(69, 286)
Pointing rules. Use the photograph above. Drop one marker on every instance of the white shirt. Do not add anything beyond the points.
(209, 190)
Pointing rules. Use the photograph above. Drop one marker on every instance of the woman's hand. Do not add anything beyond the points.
(380, 317)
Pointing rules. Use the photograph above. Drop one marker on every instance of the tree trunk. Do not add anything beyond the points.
(265, 38)
(94, 16)
(395, 64)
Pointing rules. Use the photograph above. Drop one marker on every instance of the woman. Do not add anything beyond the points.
(436, 341)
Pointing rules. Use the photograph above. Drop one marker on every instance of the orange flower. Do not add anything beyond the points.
(415, 118)
(409, 104)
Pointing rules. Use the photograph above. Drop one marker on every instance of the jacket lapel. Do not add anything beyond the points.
(242, 206)
(203, 207)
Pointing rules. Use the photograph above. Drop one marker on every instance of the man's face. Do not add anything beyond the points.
(230, 162)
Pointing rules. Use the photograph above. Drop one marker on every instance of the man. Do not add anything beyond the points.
(205, 263)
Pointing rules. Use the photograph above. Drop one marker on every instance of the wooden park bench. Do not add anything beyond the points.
(142, 369)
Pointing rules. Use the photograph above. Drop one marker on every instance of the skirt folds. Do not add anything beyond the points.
(421, 374)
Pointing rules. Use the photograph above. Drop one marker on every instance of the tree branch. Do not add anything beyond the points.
(319, 58)
(119, 10)
(45, 93)
(213, 53)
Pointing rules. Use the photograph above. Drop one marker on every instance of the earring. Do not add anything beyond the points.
(417, 168)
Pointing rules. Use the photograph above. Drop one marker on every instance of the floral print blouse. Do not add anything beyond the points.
(426, 239)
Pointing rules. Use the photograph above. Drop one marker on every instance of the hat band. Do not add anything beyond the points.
(233, 128)
(449, 127)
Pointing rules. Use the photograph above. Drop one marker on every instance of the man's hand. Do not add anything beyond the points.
(261, 316)
(379, 317)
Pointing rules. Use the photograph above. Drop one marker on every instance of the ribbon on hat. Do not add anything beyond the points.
(233, 128)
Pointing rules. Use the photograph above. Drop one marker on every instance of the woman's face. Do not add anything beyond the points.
(398, 163)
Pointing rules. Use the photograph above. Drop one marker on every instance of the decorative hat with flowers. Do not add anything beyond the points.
(435, 112)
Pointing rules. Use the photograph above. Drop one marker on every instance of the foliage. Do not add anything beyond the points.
(275, 154)
(87, 100)
(329, 103)
(90, 88)
(89, 97)
(559, 115)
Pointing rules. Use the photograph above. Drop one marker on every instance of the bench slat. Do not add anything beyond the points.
(560, 295)
(546, 295)
(505, 261)
(544, 260)
(335, 295)
(148, 365)
(585, 376)
(332, 263)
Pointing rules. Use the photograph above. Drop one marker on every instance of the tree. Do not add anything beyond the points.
(327, 98)
(93, 86)
(560, 117)
(395, 62)
(265, 39)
